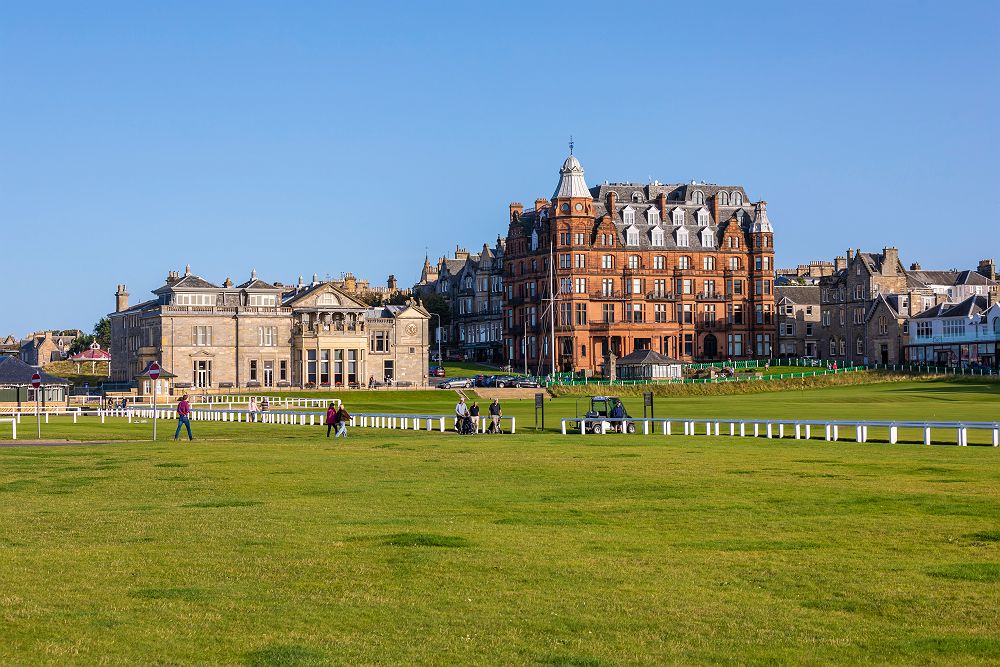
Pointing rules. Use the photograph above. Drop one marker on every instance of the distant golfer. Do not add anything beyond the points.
(461, 414)
(341, 421)
(183, 417)
(496, 412)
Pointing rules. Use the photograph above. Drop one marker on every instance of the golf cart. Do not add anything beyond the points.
(602, 406)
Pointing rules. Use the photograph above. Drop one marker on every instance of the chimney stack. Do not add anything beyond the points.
(391, 283)
(121, 298)
(993, 296)
(890, 261)
(987, 268)
(839, 263)
(612, 200)
(850, 255)
(516, 209)
(915, 266)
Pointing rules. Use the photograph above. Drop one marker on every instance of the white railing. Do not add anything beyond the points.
(775, 428)
(415, 422)
(13, 425)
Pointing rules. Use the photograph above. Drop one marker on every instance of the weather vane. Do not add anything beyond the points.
(571, 144)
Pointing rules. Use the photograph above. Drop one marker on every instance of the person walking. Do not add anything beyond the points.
(331, 418)
(461, 413)
(474, 416)
(252, 409)
(183, 417)
(496, 412)
(341, 421)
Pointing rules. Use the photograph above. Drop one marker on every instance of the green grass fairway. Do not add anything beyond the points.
(271, 545)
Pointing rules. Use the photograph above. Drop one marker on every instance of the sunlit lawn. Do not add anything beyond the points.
(261, 544)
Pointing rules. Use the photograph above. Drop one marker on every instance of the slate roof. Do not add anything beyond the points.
(974, 305)
(806, 294)
(256, 283)
(13, 371)
(967, 277)
(192, 282)
(644, 357)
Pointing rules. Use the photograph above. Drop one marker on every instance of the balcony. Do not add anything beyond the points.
(661, 296)
(609, 295)
(711, 296)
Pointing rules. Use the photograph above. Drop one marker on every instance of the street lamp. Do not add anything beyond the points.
(438, 336)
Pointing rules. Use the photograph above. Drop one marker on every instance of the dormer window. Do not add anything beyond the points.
(194, 299)
(698, 197)
(628, 215)
(637, 197)
(534, 240)
(733, 242)
(723, 198)
(653, 216)
(682, 237)
(632, 236)
(707, 238)
(267, 300)
(737, 199)
(678, 217)
(702, 217)
(656, 237)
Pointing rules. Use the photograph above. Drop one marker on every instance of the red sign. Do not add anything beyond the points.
(36, 380)
(154, 371)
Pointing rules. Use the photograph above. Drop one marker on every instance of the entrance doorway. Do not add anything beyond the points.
(710, 346)
(268, 373)
(203, 373)
(885, 353)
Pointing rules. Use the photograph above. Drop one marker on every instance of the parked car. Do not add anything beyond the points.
(437, 371)
(457, 383)
(524, 383)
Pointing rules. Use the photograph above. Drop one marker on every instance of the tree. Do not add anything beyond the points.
(437, 304)
(102, 332)
(81, 343)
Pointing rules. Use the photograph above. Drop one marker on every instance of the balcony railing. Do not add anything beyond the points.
(711, 296)
(609, 295)
(661, 296)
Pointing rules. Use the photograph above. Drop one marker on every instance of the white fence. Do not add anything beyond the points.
(415, 422)
(776, 428)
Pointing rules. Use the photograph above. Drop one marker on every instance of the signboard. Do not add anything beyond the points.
(539, 400)
(539, 405)
(647, 399)
(36, 380)
(154, 371)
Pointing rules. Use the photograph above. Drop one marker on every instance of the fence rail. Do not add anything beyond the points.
(775, 428)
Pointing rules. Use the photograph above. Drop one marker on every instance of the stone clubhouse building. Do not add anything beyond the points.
(263, 335)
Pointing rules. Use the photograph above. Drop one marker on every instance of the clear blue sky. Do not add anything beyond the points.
(325, 137)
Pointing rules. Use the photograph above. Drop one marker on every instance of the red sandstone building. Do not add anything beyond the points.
(685, 270)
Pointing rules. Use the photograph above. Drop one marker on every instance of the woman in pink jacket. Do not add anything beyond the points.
(331, 418)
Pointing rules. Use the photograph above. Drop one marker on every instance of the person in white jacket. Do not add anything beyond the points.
(461, 413)
(252, 409)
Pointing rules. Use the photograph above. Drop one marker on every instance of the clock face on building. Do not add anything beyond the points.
(411, 329)
(579, 206)
(565, 208)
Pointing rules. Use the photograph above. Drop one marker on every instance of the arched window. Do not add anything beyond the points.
(653, 216)
(707, 238)
(633, 261)
(628, 215)
(657, 237)
(682, 237)
(637, 197)
(702, 217)
(708, 263)
(683, 262)
(326, 299)
(733, 242)
(698, 197)
(737, 199)
(996, 325)
(734, 263)
(723, 197)
(833, 347)
(861, 345)
(678, 216)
